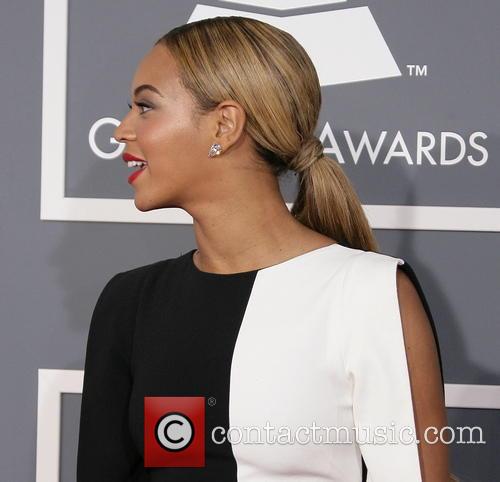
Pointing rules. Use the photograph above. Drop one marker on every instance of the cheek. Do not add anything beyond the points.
(159, 137)
(166, 144)
(153, 135)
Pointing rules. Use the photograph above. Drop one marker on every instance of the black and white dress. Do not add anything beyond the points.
(314, 340)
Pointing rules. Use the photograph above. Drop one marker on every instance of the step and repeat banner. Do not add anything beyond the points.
(410, 111)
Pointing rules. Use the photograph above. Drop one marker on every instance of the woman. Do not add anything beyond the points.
(291, 318)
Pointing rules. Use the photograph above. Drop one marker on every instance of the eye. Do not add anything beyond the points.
(140, 104)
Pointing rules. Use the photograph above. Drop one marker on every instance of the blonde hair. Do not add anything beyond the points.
(272, 77)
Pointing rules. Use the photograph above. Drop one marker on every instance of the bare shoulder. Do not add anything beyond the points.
(416, 323)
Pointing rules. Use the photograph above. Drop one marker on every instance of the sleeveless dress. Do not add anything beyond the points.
(315, 340)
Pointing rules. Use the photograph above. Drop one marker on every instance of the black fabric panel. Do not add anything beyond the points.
(186, 331)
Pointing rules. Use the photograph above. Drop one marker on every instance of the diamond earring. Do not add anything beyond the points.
(215, 150)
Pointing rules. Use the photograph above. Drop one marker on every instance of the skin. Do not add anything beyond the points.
(425, 380)
(240, 219)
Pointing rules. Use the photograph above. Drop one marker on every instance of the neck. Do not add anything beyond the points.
(242, 232)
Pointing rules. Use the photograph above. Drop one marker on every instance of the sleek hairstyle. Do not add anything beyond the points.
(271, 76)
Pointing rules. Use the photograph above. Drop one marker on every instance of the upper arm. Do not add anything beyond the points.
(106, 451)
(391, 358)
(425, 379)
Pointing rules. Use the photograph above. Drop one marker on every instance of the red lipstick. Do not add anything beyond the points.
(130, 157)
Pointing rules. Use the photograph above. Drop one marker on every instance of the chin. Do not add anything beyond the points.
(144, 206)
(150, 205)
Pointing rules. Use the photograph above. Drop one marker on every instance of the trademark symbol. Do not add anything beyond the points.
(415, 70)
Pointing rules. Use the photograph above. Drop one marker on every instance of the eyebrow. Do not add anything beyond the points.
(150, 87)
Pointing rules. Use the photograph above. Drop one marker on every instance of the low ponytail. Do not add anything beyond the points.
(327, 201)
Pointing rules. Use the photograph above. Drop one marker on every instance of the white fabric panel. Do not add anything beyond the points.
(312, 326)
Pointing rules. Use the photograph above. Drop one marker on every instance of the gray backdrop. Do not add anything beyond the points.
(53, 270)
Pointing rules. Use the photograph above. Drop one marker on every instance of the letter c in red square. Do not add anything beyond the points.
(174, 431)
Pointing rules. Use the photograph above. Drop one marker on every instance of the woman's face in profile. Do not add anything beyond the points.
(161, 129)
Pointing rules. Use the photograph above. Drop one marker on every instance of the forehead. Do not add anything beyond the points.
(157, 68)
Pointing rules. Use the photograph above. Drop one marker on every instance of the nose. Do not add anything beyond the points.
(124, 132)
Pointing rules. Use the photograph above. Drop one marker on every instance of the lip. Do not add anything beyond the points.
(129, 157)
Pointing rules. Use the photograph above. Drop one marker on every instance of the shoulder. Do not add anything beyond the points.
(129, 283)
(381, 291)
(140, 273)
(367, 273)
(390, 282)
(371, 316)
(122, 292)
(113, 318)
(370, 303)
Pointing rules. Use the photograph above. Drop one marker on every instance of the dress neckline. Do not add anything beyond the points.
(208, 274)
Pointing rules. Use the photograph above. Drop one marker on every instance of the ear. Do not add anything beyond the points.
(230, 120)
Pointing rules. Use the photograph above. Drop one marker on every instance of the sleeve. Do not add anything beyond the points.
(106, 452)
(375, 362)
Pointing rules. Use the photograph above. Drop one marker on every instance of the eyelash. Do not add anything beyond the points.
(140, 104)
